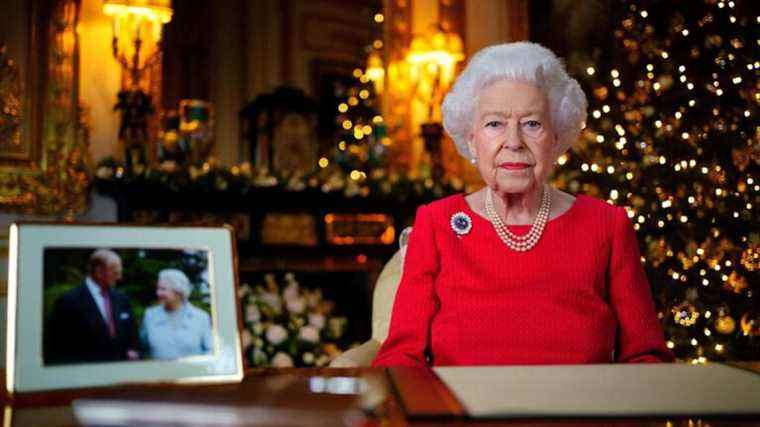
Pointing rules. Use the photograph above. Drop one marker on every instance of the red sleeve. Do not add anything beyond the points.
(639, 334)
(415, 302)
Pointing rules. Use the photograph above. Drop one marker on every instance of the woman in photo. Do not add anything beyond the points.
(175, 328)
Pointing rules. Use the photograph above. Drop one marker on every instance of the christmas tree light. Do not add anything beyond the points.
(361, 142)
(673, 136)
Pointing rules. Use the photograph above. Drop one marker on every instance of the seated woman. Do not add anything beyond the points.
(175, 328)
(520, 272)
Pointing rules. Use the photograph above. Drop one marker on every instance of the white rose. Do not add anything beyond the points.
(290, 292)
(296, 305)
(259, 357)
(252, 314)
(282, 360)
(317, 320)
(258, 328)
(272, 300)
(309, 334)
(276, 334)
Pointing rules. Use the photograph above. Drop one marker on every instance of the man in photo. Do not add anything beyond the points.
(93, 322)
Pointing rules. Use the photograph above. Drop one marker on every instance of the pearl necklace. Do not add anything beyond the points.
(513, 241)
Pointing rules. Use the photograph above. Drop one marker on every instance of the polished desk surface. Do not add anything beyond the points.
(293, 388)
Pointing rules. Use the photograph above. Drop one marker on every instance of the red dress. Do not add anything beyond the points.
(579, 296)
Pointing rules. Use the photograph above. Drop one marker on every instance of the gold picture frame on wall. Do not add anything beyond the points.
(43, 138)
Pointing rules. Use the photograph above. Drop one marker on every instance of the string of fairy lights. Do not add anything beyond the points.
(672, 136)
(361, 137)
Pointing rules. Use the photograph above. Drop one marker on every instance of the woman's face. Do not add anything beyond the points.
(168, 296)
(512, 137)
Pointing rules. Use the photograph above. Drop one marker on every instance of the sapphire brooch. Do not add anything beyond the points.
(461, 223)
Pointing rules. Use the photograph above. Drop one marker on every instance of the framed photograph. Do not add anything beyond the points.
(98, 305)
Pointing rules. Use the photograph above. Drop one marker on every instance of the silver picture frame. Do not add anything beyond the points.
(27, 368)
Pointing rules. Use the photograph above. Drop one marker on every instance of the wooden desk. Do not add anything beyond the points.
(281, 389)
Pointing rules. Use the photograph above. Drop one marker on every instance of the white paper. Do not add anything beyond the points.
(603, 390)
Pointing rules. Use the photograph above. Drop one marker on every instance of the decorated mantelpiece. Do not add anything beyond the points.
(296, 214)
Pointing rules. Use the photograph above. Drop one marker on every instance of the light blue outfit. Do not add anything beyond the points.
(171, 335)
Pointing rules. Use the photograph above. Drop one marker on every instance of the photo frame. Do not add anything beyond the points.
(170, 294)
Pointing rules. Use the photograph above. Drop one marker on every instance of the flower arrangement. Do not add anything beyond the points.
(288, 325)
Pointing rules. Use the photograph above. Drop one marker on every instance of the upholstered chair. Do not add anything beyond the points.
(382, 305)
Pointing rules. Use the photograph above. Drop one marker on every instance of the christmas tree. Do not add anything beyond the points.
(359, 138)
(672, 135)
(361, 142)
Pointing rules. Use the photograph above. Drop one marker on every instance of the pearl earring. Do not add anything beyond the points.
(473, 160)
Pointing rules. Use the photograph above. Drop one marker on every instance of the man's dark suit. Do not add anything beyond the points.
(77, 333)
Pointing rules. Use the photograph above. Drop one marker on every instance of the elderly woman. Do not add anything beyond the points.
(175, 328)
(520, 272)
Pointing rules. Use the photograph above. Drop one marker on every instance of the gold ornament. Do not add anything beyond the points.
(751, 258)
(725, 325)
(741, 158)
(638, 201)
(633, 116)
(717, 177)
(656, 252)
(713, 41)
(750, 325)
(592, 190)
(686, 261)
(666, 81)
(714, 251)
(601, 93)
(735, 283)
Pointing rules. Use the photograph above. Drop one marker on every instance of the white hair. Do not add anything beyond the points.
(521, 61)
(176, 280)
